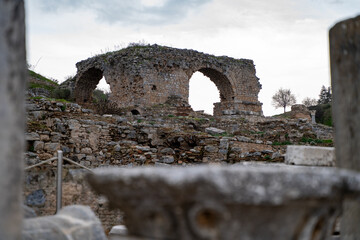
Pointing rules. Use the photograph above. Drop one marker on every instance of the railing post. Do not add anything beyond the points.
(59, 181)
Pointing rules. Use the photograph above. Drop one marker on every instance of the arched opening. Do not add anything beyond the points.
(221, 82)
(203, 93)
(102, 91)
(209, 86)
(86, 84)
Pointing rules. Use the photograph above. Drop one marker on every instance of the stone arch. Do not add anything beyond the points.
(86, 84)
(150, 75)
(221, 81)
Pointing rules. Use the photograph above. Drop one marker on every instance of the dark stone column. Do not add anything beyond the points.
(345, 77)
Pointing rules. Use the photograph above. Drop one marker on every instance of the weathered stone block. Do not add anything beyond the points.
(206, 202)
(36, 198)
(167, 159)
(72, 222)
(44, 137)
(51, 147)
(38, 145)
(117, 148)
(211, 149)
(32, 136)
(86, 151)
(168, 151)
(224, 143)
(38, 114)
(143, 148)
(243, 139)
(311, 156)
(212, 130)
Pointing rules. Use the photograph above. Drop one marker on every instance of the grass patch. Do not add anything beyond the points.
(225, 134)
(41, 77)
(201, 120)
(38, 85)
(50, 99)
(35, 125)
(36, 98)
(282, 143)
(283, 115)
(61, 100)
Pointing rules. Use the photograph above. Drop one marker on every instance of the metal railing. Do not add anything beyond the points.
(60, 158)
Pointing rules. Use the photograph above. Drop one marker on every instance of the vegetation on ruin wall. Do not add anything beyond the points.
(52, 86)
(42, 78)
(323, 113)
(136, 47)
(39, 85)
(304, 140)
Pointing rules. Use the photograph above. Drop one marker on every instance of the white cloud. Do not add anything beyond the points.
(127, 12)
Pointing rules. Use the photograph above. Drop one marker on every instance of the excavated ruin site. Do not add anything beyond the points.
(143, 165)
(163, 132)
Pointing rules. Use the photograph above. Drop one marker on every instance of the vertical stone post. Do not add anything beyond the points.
(345, 77)
(12, 84)
(313, 113)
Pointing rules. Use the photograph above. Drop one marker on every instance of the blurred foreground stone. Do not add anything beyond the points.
(345, 80)
(72, 222)
(12, 115)
(206, 202)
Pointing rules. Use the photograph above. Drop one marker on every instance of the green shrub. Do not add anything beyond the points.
(61, 93)
(323, 113)
(99, 95)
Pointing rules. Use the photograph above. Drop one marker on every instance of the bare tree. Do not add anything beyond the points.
(308, 102)
(283, 98)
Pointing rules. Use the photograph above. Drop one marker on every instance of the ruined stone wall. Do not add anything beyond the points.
(148, 75)
(160, 135)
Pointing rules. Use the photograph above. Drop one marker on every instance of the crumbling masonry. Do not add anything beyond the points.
(141, 76)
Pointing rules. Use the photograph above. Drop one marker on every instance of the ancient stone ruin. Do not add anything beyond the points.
(222, 201)
(147, 75)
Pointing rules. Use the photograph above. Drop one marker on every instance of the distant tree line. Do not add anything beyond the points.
(323, 107)
(284, 98)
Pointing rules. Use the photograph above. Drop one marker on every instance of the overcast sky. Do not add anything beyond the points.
(287, 39)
